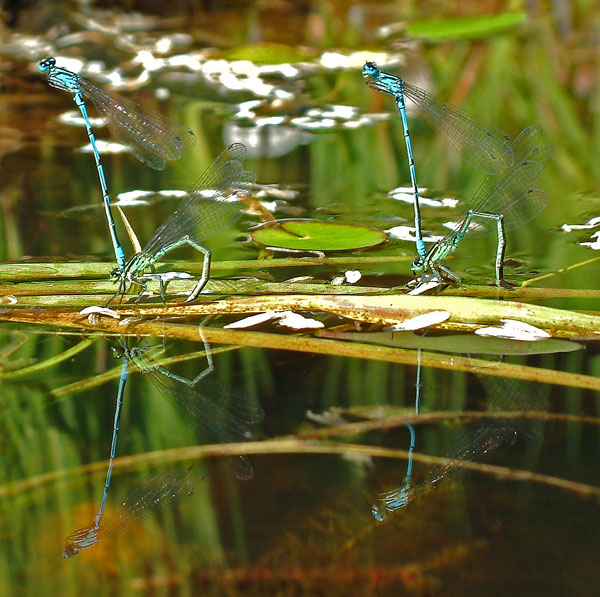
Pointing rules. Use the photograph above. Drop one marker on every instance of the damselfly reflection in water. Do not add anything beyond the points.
(210, 207)
(480, 443)
(504, 201)
(215, 414)
(505, 394)
(487, 439)
(152, 137)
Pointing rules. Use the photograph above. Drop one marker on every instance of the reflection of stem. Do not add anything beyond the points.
(418, 384)
(411, 450)
(290, 446)
(88, 536)
(113, 446)
(200, 412)
(479, 443)
(376, 424)
(332, 347)
(47, 363)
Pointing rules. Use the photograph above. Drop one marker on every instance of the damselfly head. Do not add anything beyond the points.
(369, 69)
(116, 273)
(118, 351)
(46, 64)
(377, 80)
(417, 265)
(379, 512)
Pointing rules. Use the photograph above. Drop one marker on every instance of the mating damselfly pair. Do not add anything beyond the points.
(209, 207)
(505, 200)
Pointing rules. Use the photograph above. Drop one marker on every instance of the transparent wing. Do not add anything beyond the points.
(207, 418)
(480, 443)
(209, 207)
(245, 407)
(512, 194)
(515, 395)
(152, 137)
(484, 147)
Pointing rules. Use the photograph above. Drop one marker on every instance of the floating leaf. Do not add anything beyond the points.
(309, 235)
(465, 27)
(458, 344)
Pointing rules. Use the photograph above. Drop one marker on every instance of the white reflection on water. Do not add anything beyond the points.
(271, 141)
(408, 233)
(514, 330)
(28, 47)
(595, 245)
(139, 197)
(325, 117)
(74, 118)
(356, 60)
(594, 239)
(405, 194)
(589, 224)
(105, 147)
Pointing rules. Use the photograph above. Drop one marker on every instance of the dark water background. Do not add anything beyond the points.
(331, 149)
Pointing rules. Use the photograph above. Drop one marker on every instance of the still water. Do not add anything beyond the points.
(319, 455)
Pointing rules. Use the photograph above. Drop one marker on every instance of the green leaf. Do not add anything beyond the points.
(465, 27)
(268, 53)
(460, 343)
(318, 236)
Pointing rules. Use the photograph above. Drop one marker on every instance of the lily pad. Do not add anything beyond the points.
(465, 27)
(310, 235)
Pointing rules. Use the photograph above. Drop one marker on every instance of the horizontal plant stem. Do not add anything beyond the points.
(465, 314)
(42, 365)
(94, 291)
(391, 422)
(560, 271)
(80, 270)
(358, 350)
(290, 445)
(85, 269)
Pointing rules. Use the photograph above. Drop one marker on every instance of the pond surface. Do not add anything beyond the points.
(324, 455)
